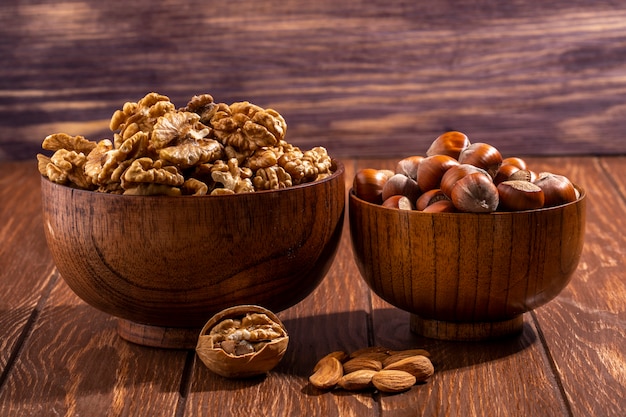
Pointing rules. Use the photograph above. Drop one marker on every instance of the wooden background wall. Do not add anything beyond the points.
(363, 78)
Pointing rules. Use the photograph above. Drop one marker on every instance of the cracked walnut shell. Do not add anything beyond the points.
(242, 341)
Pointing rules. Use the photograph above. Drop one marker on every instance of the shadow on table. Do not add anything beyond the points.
(76, 351)
(312, 337)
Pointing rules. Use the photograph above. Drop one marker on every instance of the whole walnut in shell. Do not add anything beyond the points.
(242, 341)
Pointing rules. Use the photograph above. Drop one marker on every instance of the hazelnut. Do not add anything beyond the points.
(523, 175)
(475, 193)
(400, 184)
(369, 182)
(399, 202)
(431, 170)
(557, 189)
(483, 156)
(408, 166)
(441, 206)
(457, 172)
(515, 161)
(504, 173)
(430, 197)
(520, 195)
(450, 143)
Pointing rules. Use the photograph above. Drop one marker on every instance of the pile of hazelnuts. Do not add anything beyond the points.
(459, 176)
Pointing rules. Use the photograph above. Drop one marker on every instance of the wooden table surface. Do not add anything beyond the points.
(61, 357)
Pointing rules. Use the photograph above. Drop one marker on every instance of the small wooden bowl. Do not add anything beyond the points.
(467, 276)
(165, 265)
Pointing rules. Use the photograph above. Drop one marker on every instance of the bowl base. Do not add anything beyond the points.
(465, 331)
(156, 336)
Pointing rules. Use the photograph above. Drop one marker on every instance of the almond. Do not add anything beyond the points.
(418, 365)
(395, 356)
(357, 380)
(340, 355)
(393, 380)
(327, 372)
(361, 362)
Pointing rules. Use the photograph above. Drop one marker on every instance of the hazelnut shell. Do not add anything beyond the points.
(450, 143)
(520, 195)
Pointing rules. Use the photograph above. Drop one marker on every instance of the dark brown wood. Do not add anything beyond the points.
(585, 326)
(25, 282)
(63, 357)
(504, 374)
(175, 262)
(74, 363)
(467, 276)
(361, 78)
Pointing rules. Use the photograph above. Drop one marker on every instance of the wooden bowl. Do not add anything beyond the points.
(467, 276)
(165, 265)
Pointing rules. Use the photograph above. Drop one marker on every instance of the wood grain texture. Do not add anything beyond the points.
(74, 364)
(466, 275)
(193, 257)
(361, 78)
(585, 327)
(509, 377)
(20, 298)
(57, 355)
(67, 360)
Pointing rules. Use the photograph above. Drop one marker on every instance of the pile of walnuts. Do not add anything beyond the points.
(204, 148)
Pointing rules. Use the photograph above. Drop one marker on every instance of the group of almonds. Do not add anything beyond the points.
(458, 176)
(378, 368)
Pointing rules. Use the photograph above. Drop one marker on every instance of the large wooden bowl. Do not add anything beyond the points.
(165, 265)
(465, 276)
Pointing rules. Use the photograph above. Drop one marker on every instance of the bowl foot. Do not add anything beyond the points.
(460, 331)
(155, 336)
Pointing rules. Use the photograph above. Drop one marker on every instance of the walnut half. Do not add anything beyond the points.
(205, 148)
(242, 341)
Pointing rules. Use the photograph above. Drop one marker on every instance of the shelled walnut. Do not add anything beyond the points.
(202, 136)
(242, 341)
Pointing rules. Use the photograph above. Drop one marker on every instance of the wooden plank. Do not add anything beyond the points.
(363, 79)
(74, 363)
(27, 270)
(614, 169)
(585, 326)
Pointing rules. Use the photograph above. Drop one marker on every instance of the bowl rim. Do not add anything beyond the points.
(338, 166)
(580, 199)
